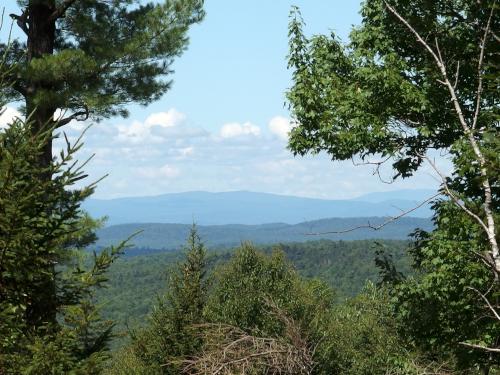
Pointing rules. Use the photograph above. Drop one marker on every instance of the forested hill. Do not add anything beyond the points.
(251, 208)
(345, 265)
(173, 236)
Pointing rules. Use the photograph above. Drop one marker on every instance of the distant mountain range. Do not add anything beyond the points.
(250, 208)
(173, 236)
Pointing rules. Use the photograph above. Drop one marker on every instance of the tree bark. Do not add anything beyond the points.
(40, 42)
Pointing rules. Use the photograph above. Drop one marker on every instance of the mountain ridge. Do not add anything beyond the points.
(250, 208)
(173, 236)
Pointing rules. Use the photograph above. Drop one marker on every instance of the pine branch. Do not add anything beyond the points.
(22, 21)
(61, 10)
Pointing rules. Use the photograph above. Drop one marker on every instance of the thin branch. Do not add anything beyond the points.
(456, 76)
(78, 116)
(487, 302)
(377, 227)
(61, 10)
(22, 21)
(475, 346)
(438, 50)
(452, 195)
(490, 228)
(480, 68)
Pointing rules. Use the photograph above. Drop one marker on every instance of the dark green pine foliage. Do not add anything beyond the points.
(172, 333)
(90, 59)
(42, 236)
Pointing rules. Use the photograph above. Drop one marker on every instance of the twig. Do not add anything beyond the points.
(376, 171)
(487, 302)
(480, 68)
(377, 227)
(475, 346)
(490, 227)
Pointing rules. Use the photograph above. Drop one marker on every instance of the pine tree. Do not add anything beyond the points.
(42, 234)
(172, 334)
(90, 59)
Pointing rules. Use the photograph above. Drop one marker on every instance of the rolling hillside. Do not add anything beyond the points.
(173, 236)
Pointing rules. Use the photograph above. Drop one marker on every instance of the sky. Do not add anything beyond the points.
(223, 125)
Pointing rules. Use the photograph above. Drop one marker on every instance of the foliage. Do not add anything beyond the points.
(243, 285)
(442, 306)
(419, 76)
(381, 94)
(262, 317)
(94, 57)
(42, 230)
(170, 333)
(136, 278)
(361, 337)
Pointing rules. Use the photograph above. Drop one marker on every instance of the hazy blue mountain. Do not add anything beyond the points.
(244, 207)
(413, 195)
(173, 236)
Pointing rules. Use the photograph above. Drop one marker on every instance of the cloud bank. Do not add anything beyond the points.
(166, 152)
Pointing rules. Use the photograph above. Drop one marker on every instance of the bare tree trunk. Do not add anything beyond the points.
(40, 42)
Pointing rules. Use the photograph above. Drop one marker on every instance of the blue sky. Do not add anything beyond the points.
(223, 125)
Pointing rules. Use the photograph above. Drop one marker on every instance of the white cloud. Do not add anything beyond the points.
(165, 171)
(136, 132)
(280, 126)
(185, 152)
(154, 129)
(7, 115)
(165, 119)
(155, 154)
(235, 129)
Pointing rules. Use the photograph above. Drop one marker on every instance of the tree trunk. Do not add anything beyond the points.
(41, 40)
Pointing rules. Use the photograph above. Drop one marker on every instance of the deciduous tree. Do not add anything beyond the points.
(419, 79)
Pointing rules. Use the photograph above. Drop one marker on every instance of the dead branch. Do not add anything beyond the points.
(22, 21)
(230, 350)
(377, 227)
(78, 116)
(480, 347)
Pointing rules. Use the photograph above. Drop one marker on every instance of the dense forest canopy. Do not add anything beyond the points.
(416, 77)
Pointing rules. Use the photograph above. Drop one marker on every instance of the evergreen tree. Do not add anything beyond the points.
(89, 59)
(172, 333)
(42, 234)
